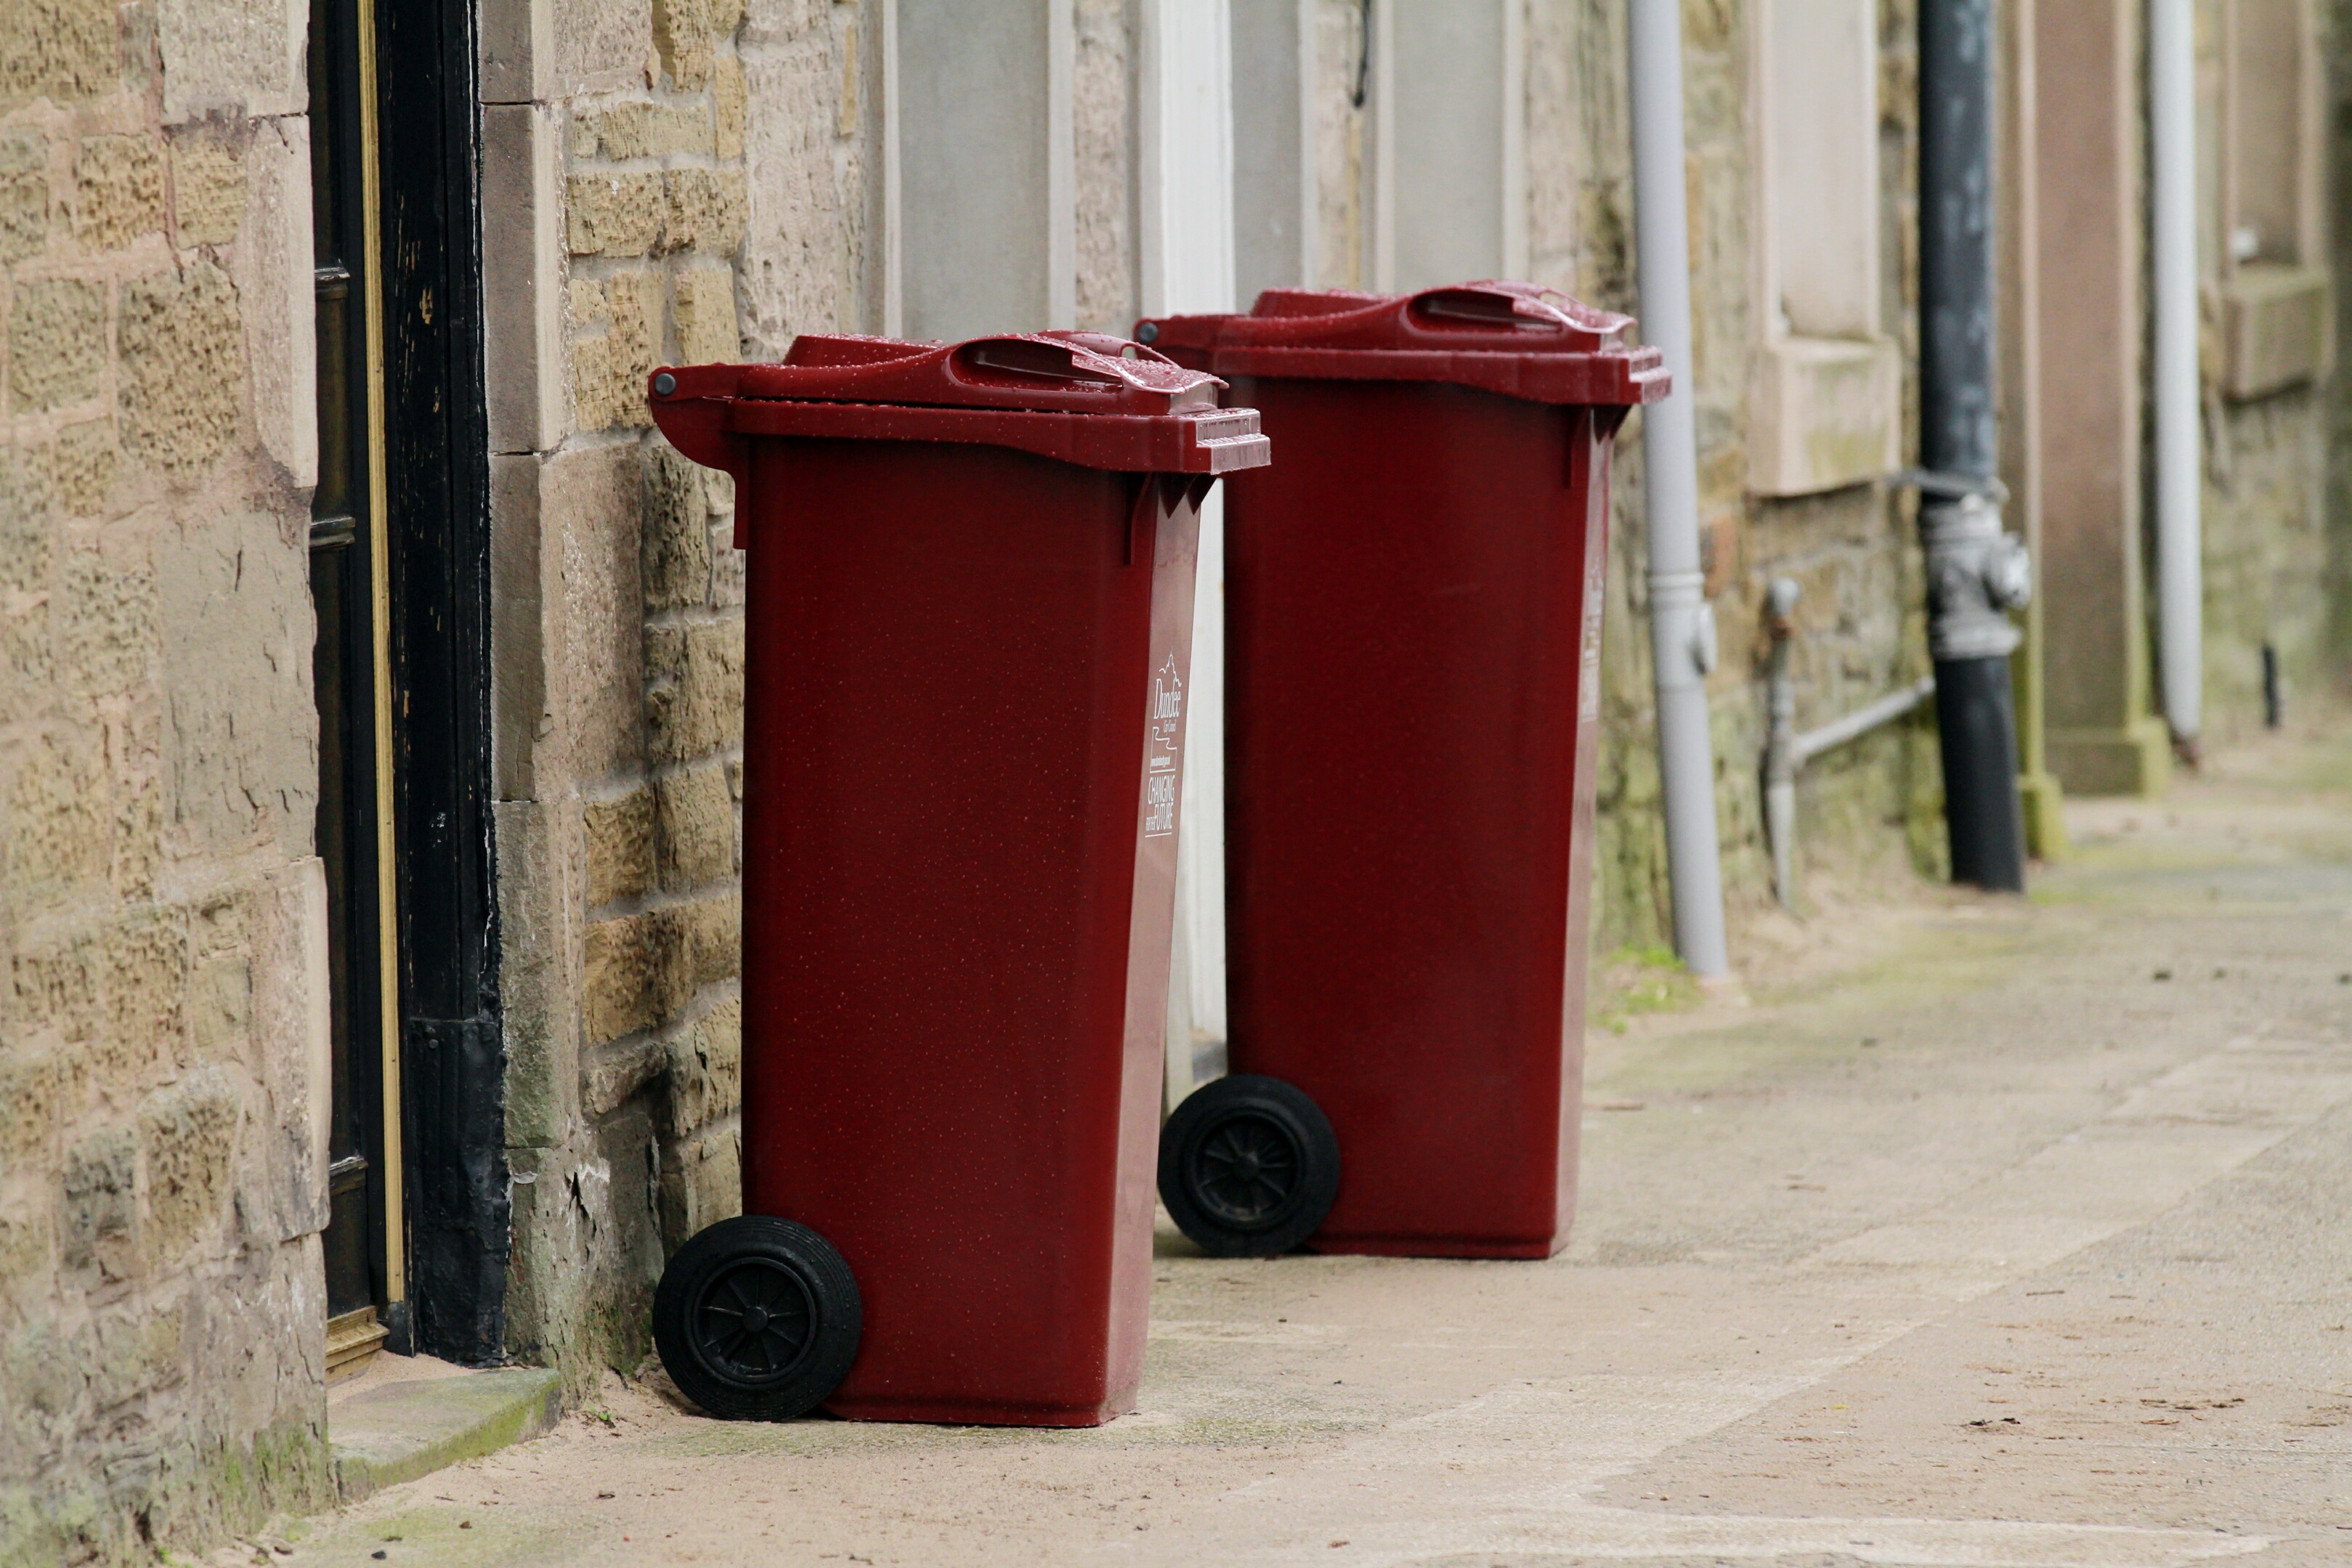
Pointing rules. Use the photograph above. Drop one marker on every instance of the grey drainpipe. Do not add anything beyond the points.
(1682, 625)
(1976, 572)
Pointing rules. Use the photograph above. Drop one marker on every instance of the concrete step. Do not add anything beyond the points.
(395, 1431)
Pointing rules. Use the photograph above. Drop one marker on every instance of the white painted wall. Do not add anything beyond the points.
(1185, 147)
(979, 172)
(1449, 176)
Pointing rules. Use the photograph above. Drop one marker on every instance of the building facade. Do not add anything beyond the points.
(371, 674)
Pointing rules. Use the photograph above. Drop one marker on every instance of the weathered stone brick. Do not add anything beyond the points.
(57, 341)
(727, 587)
(612, 215)
(713, 934)
(146, 995)
(106, 623)
(207, 190)
(24, 1258)
(705, 210)
(729, 101)
(118, 191)
(609, 372)
(689, 33)
(182, 360)
(583, 303)
(140, 1349)
(138, 834)
(82, 466)
(53, 988)
(58, 817)
(26, 501)
(706, 1069)
(615, 972)
(189, 1135)
(694, 695)
(620, 847)
(642, 130)
(220, 1008)
(677, 531)
(62, 50)
(23, 194)
(703, 313)
(32, 1087)
(98, 1214)
(697, 839)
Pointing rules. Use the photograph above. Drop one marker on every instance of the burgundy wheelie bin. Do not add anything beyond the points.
(1413, 611)
(968, 621)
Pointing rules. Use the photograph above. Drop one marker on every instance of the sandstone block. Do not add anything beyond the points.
(706, 1069)
(244, 55)
(705, 210)
(182, 366)
(207, 190)
(522, 273)
(27, 500)
(642, 130)
(146, 995)
(708, 1184)
(82, 466)
(612, 215)
(23, 194)
(106, 623)
(98, 1216)
(25, 1260)
(693, 698)
(697, 839)
(118, 191)
(188, 1133)
(712, 933)
(729, 101)
(689, 34)
(61, 49)
(615, 978)
(620, 847)
(600, 46)
(677, 530)
(609, 372)
(703, 313)
(32, 1086)
(57, 341)
(727, 585)
(58, 817)
(53, 988)
(220, 1008)
(277, 298)
(139, 1351)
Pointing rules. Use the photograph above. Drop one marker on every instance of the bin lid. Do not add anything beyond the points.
(1083, 398)
(1516, 339)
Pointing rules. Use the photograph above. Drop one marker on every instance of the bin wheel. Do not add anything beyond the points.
(757, 1319)
(1248, 1166)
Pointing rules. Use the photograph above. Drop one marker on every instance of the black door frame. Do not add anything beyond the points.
(453, 1059)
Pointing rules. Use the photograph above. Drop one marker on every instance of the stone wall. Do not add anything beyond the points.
(163, 1024)
(706, 165)
(1861, 627)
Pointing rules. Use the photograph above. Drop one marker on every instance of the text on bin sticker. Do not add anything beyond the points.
(1164, 727)
(1588, 665)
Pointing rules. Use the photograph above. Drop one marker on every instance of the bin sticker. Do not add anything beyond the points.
(1588, 674)
(1163, 742)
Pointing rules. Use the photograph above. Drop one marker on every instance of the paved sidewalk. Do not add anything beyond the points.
(1986, 1232)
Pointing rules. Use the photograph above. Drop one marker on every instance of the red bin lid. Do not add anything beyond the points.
(1084, 398)
(1516, 339)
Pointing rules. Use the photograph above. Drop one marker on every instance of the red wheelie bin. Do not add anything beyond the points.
(1413, 632)
(969, 618)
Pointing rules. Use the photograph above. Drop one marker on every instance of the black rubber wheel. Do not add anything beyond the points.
(1248, 1166)
(757, 1319)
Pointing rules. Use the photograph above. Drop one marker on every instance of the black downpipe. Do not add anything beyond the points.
(1975, 572)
